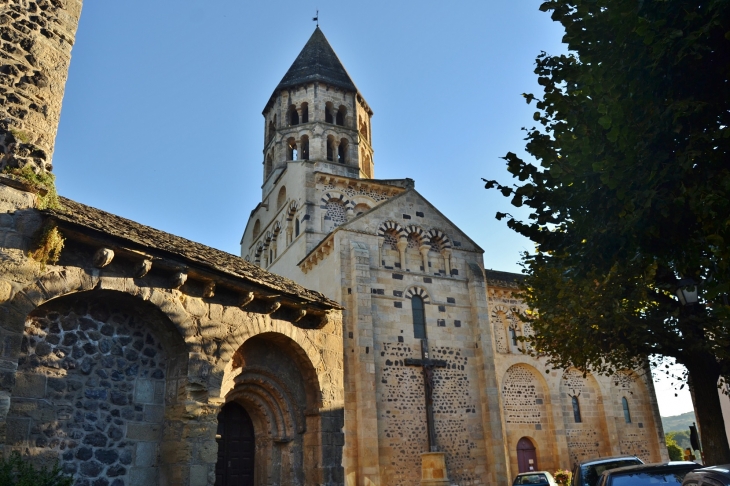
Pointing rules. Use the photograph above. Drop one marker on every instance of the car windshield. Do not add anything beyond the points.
(649, 479)
(592, 472)
(531, 479)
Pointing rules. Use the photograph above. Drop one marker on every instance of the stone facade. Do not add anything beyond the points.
(378, 246)
(119, 373)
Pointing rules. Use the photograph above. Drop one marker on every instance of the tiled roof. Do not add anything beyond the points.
(194, 253)
(504, 279)
(317, 62)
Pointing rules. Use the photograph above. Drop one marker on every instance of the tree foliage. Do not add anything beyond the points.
(16, 471)
(631, 191)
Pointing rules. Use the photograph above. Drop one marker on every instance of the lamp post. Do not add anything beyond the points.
(687, 292)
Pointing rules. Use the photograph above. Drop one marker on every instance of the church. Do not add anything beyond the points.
(413, 286)
(357, 340)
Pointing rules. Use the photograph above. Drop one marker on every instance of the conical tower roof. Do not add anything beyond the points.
(317, 62)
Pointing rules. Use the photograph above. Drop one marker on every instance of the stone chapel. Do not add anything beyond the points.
(358, 340)
(413, 286)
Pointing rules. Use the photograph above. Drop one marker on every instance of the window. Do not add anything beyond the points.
(291, 149)
(328, 118)
(293, 116)
(342, 151)
(269, 165)
(256, 229)
(513, 336)
(305, 113)
(419, 318)
(281, 198)
(576, 410)
(341, 113)
(627, 413)
(296, 228)
(330, 148)
(305, 147)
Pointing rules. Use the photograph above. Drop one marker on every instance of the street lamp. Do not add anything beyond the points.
(687, 291)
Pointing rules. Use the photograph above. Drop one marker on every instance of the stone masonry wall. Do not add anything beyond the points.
(36, 37)
(90, 389)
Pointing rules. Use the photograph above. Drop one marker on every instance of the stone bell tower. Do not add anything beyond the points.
(317, 114)
(34, 59)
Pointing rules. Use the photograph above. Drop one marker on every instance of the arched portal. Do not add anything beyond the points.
(236, 447)
(526, 456)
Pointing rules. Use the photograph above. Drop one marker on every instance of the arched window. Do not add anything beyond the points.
(256, 229)
(419, 317)
(627, 413)
(513, 336)
(367, 167)
(341, 114)
(305, 113)
(305, 147)
(330, 148)
(576, 410)
(291, 149)
(269, 165)
(293, 116)
(281, 198)
(342, 151)
(328, 117)
(272, 130)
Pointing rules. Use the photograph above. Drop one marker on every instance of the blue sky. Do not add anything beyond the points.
(162, 121)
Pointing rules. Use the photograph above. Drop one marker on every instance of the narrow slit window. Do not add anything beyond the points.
(576, 410)
(627, 413)
(419, 318)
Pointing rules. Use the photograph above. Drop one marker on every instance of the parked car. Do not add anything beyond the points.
(535, 478)
(586, 473)
(660, 474)
(708, 476)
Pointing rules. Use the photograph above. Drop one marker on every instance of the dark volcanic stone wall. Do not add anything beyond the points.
(36, 37)
(90, 389)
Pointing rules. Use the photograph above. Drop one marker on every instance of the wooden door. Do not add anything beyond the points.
(236, 447)
(526, 456)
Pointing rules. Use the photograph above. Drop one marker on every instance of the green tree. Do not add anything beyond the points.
(681, 438)
(675, 452)
(630, 193)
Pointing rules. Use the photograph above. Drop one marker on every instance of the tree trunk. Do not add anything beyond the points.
(703, 375)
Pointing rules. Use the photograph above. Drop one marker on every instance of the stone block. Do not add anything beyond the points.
(143, 476)
(144, 391)
(207, 452)
(145, 454)
(30, 385)
(144, 432)
(199, 476)
(154, 413)
(17, 431)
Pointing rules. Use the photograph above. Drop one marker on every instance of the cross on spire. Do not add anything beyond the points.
(316, 18)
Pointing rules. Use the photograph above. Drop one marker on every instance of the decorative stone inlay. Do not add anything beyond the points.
(104, 374)
(336, 212)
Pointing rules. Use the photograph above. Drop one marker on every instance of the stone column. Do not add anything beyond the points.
(402, 245)
(446, 252)
(424, 249)
(34, 63)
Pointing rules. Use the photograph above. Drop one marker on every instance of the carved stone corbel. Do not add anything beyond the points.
(142, 268)
(103, 257)
(178, 280)
(209, 290)
(272, 307)
(247, 299)
(300, 315)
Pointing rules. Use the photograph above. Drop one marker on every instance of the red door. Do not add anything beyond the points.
(236, 447)
(526, 456)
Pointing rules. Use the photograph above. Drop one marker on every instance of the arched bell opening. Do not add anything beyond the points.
(273, 379)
